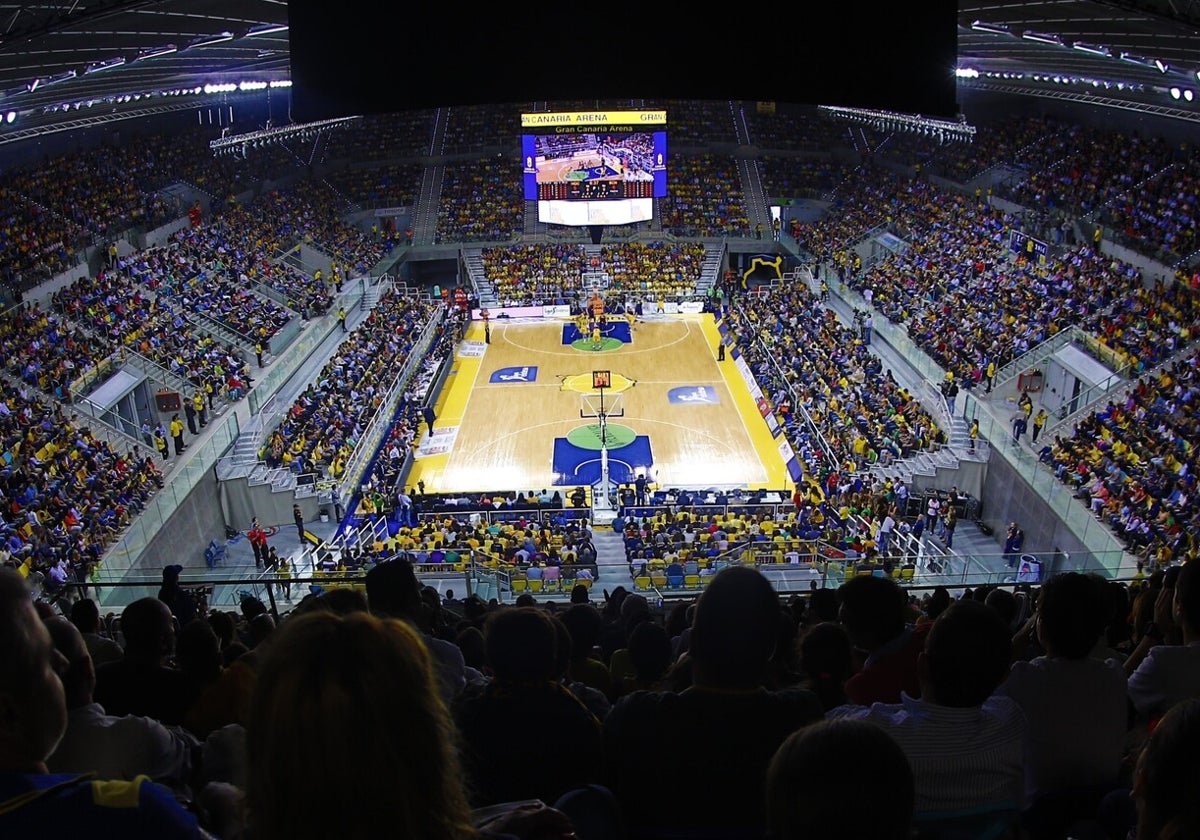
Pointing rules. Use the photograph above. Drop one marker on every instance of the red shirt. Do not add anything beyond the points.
(890, 670)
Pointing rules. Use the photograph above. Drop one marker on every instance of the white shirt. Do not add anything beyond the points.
(962, 759)
(122, 748)
(1077, 712)
(1168, 674)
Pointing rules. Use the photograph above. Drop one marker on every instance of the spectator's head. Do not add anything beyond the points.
(470, 642)
(734, 631)
(522, 645)
(967, 655)
(33, 709)
(348, 709)
(808, 797)
(939, 600)
(79, 675)
(827, 658)
(393, 591)
(85, 614)
(1070, 615)
(1168, 777)
(579, 594)
(1004, 603)
(1187, 600)
(198, 652)
(584, 623)
(149, 630)
(649, 651)
(872, 611)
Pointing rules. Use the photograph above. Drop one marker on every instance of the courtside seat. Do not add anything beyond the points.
(519, 584)
(658, 580)
(691, 581)
(642, 583)
(535, 585)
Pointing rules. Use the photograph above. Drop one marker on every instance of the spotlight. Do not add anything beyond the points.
(10, 117)
(1187, 94)
(1175, 93)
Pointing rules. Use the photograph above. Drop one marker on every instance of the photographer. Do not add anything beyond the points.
(180, 601)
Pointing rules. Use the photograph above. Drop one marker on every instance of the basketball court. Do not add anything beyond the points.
(521, 412)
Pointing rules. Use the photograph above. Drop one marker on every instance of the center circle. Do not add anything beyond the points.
(588, 437)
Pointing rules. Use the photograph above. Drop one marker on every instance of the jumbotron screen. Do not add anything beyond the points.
(591, 157)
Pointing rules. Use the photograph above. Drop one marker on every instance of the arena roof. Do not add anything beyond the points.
(66, 62)
(1123, 50)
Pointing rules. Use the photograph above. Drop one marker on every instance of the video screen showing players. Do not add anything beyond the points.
(598, 156)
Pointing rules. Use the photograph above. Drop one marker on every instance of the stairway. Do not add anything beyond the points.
(610, 557)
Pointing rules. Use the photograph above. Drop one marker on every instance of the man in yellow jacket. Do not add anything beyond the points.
(177, 434)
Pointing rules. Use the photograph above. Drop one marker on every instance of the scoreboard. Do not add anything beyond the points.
(598, 190)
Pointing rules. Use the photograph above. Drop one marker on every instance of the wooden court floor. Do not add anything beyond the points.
(501, 434)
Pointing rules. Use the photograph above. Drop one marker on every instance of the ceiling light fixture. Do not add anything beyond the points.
(104, 65)
(993, 28)
(155, 53)
(209, 40)
(1042, 38)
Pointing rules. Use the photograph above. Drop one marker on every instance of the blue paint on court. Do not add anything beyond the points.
(574, 465)
(615, 329)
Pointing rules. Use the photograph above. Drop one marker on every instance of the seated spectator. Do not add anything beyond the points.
(1167, 778)
(141, 683)
(1075, 705)
(373, 735)
(873, 612)
(112, 747)
(808, 797)
(522, 650)
(85, 615)
(723, 729)
(966, 746)
(34, 802)
(1170, 672)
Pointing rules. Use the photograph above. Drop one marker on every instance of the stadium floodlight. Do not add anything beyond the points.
(913, 123)
(1176, 93)
(209, 40)
(1162, 66)
(992, 28)
(1042, 38)
(104, 65)
(1188, 95)
(1094, 49)
(281, 83)
(10, 117)
(155, 53)
(34, 85)
(966, 73)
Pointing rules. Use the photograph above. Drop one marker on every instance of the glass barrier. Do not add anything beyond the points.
(297, 354)
(1095, 535)
(123, 556)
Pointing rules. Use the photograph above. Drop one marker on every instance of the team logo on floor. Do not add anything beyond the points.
(693, 395)
(514, 374)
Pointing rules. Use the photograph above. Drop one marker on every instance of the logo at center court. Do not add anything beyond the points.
(514, 374)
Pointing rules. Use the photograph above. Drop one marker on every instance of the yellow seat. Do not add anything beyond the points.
(642, 582)
(658, 580)
(519, 584)
(907, 573)
(586, 583)
(535, 585)
(691, 581)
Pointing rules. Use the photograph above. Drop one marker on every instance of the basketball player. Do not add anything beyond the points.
(596, 337)
(630, 318)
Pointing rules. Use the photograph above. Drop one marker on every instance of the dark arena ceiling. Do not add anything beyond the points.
(69, 64)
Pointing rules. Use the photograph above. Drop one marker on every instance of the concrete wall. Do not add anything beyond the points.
(187, 533)
(1008, 498)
